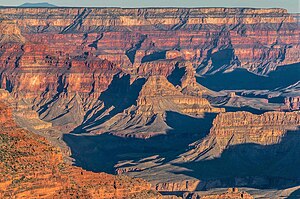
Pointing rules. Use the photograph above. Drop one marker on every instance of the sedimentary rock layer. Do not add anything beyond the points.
(148, 117)
(213, 38)
(62, 59)
(235, 128)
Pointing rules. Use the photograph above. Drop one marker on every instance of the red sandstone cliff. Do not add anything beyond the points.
(148, 117)
(212, 38)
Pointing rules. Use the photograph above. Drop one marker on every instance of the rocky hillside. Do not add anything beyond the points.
(214, 39)
(31, 167)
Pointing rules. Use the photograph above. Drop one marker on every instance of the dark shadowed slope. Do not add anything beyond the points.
(243, 79)
(251, 165)
(103, 152)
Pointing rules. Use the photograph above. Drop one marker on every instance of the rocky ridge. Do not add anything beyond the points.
(236, 128)
(232, 193)
(148, 117)
(130, 72)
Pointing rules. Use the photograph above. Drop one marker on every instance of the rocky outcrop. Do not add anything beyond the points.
(31, 167)
(232, 193)
(185, 185)
(159, 95)
(214, 39)
(10, 32)
(237, 128)
(258, 39)
(148, 117)
(121, 71)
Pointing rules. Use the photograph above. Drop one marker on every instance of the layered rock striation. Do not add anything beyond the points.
(236, 128)
(62, 59)
(214, 39)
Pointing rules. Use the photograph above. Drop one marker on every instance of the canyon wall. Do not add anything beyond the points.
(236, 128)
(31, 167)
(62, 59)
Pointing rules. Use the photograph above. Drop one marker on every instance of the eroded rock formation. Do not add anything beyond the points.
(62, 59)
(122, 71)
(148, 117)
(31, 167)
(213, 39)
(237, 128)
(292, 103)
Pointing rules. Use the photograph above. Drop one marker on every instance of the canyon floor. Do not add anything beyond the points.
(149, 103)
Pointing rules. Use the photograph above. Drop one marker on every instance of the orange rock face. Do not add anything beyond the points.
(31, 168)
(158, 95)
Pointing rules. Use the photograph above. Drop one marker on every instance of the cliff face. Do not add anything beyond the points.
(212, 38)
(132, 73)
(62, 59)
(31, 167)
(237, 128)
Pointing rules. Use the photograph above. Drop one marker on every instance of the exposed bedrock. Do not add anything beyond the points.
(68, 59)
(244, 149)
(214, 39)
(31, 167)
(128, 76)
(236, 128)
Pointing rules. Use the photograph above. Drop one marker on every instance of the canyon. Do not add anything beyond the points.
(188, 99)
(31, 167)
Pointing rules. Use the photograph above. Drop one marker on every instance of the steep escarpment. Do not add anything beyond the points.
(61, 60)
(129, 78)
(31, 167)
(236, 128)
(244, 149)
(214, 39)
(10, 32)
(148, 116)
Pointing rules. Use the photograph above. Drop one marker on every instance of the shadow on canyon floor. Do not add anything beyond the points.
(251, 165)
(103, 152)
(242, 79)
